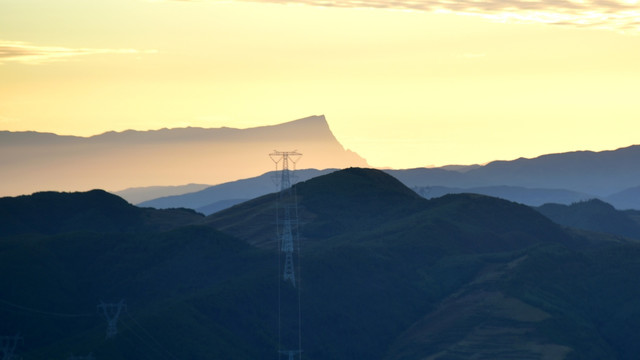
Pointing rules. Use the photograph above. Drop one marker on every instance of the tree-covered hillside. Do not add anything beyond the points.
(385, 275)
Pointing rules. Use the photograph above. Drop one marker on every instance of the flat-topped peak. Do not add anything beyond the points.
(313, 119)
(314, 123)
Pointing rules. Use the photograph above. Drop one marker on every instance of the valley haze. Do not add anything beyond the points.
(32, 161)
(147, 166)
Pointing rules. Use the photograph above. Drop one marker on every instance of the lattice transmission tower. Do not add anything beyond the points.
(8, 346)
(289, 316)
(111, 313)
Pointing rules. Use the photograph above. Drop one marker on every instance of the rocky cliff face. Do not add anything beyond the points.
(33, 161)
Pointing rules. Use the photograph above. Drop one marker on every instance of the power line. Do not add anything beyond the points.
(150, 346)
(288, 244)
(157, 343)
(111, 312)
(41, 312)
(8, 346)
(144, 354)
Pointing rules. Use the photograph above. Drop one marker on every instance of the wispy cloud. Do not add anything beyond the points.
(619, 15)
(22, 52)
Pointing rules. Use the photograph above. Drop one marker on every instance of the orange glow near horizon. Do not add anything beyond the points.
(411, 88)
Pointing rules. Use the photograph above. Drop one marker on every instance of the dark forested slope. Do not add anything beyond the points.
(385, 274)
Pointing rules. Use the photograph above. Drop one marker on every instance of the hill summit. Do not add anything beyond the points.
(358, 199)
(50, 213)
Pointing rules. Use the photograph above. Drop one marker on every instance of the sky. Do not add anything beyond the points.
(404, 83)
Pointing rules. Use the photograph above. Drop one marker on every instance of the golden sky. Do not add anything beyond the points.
(405, 83)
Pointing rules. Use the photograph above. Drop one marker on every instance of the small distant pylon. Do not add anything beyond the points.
(111, 313)
(291, 353)
(8, 346)
(87, 357)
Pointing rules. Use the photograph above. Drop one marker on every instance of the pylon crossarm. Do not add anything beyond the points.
(8, 346)
(111, 313)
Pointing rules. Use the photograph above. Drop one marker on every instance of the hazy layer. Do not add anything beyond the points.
(114, 161)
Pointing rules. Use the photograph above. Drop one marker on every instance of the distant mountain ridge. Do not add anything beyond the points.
(32, 162)
(600, 173)
(625, 199)
(146, 193)
(135, 160)
(565, 178)
(237, 191)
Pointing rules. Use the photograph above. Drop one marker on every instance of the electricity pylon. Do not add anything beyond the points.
(111, 313)
(8, 346)
(287, 226)
(289, 318)
(291, 353)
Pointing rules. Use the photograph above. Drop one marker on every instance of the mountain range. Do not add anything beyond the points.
(386, 274)
(215, 198)
(153, 165)
(565, 178)
(32, 161)
(574, 176)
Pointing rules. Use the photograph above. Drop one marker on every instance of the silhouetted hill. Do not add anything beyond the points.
(327, 204)
(625, 199)
(386, 274)
(527, 196)
(555, 178)
(141, 194)
(264, 184)
(377, 248)
(97, 211)
(363, 199)
(239, 189)
(191, 293)
(220, 205)
(594, 215)
(549, 303)
(599, 173)
(352, 197)
(434, 177)
(119, 160)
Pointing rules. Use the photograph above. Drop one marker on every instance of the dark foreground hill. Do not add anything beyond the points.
(595, 215)
(98, 211)
(385, 273)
